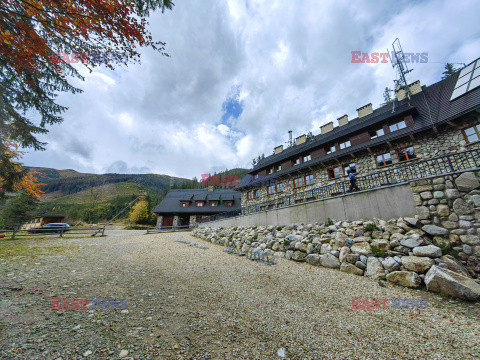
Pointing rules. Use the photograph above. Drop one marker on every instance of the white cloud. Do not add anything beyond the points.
(291, 62)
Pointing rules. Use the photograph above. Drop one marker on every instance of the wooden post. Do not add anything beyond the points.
(13, 234)
(103, 231)
(61, 232)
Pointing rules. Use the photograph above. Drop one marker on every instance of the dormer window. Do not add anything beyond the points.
(279, 167)
(398, 126)
(214, 203)
(228, 203)
(345, 145)
(307, 158)
(271, 171)
(377, 133)
(199, 203)
(255, 176)
(184, 203)
(297, 162)
(332, 149)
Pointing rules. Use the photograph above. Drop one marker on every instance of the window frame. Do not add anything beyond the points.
(199, 202)
(300, 182)
(476, 129)
(297, 161)
(213, 202)
(332, 149)
(279, 168)
(307, 158)
(310, 181)
(256, 193)
(184, 203)
(348, 167)
(332, 171)
(228, 203)
(271, 189)
(397, 125)
(406, 154)
(279, 186)
(384, 162)
(345, 144)
(376, 134)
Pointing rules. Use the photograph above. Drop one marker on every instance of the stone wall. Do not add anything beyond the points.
(449, 207)
(395, 250)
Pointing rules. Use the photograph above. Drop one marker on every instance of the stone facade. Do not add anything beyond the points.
(449, 208)
(427, 145)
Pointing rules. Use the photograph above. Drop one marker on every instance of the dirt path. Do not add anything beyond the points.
(186, 302)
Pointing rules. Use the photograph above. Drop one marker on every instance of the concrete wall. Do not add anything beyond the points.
(393, 201)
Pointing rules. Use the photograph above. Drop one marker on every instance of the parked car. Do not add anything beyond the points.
(52, 227)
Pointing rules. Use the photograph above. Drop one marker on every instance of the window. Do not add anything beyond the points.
(335, 172)
(307, 158)
(309, 180)
(375, 134)
(256, 193)
(184, 204)
(199, 203)
(398, 126)
(384, 160)
(228, 203)
(213, 203)
(348, 167)
(298, 182)
(250, 195)
(472, 134)
(297, 162)
(345, 144)
(332, 149)
(279, 187)
(255, 176)
(279, 167)
(271, 189)
(406, 154)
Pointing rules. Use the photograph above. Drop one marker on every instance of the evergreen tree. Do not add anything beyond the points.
(449, 70)
(18, 210)
(386, 96)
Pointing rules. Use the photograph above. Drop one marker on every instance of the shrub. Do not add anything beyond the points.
(279, 228)
(371, 227)
(377, 252)
(329, 222)
(286, 242)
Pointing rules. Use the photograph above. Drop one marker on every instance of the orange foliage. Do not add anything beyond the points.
(27, 181)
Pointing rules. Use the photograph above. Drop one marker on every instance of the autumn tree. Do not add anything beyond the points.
(42, 43)
(140, 213)
(13, 178)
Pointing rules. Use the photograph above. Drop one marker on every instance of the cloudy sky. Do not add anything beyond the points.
(244, 72)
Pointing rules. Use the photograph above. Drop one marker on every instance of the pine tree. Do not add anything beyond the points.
(449, 70)
(17, 211)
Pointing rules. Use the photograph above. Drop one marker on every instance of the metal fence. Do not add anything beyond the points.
(57, 233)
(442, 165)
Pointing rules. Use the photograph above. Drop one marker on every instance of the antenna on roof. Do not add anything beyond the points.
(399, 63)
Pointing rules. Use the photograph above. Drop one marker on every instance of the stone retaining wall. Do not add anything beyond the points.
(400, 251)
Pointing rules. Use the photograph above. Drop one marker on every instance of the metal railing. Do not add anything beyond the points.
(442, 165)
(15, 233)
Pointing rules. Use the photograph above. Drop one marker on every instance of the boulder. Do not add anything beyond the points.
(330, 261)
(380, 244)
(429, 251)
(413, 221)
(361, 265)
(410, 242)
(344, 251)
(405, 278)
(352, 258)
(375, 269)
(451, 283)
(313, 259)
(461, 207)
(467, 182)
(434, 230)
(390, 264)
(423, 212)
(299, 256)
(351, 269)
(454, 265)
(416, 263)
(361, 248)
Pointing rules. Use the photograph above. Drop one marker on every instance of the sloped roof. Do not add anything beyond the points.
(171, 202)
(431, 107)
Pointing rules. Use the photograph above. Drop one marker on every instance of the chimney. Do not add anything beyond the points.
(365, 110)
(343, 120)
(326, 128)
(415, 87)
(401, 94)
(211, 188)
(301, 139)
(278, 149)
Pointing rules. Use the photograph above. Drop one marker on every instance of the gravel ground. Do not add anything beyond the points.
(185, 302)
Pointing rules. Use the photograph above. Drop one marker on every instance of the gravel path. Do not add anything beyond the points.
(185, 302)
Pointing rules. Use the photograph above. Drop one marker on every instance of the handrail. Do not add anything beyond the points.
(441, 165)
